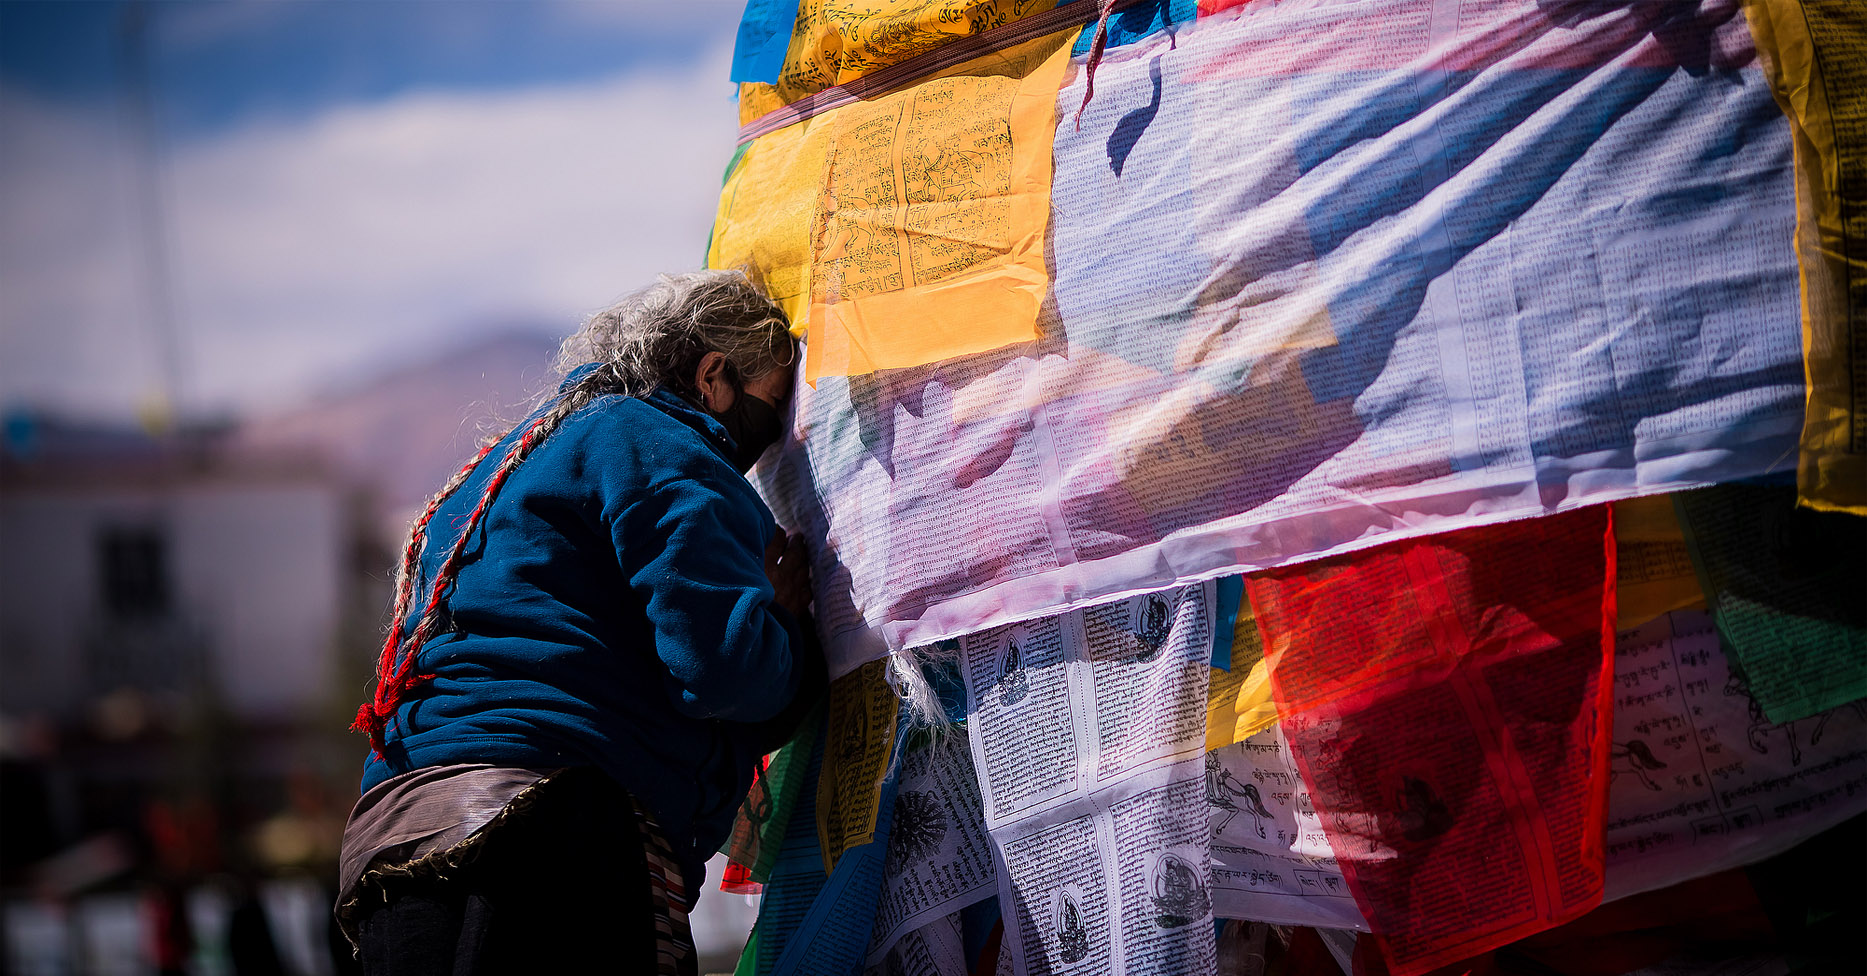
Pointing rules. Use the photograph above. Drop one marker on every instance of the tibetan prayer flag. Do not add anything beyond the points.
(1448, 703)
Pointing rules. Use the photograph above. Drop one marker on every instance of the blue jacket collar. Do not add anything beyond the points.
(674, 405)
(693, 415)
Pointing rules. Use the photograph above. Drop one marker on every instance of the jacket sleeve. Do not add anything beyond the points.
(726, 647)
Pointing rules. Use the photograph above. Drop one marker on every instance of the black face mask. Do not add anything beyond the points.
(753, 424)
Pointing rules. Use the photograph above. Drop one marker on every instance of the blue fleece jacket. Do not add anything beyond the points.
(612, 610)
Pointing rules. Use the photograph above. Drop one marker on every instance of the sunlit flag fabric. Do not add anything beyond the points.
(1273, 287)
(1309, 277)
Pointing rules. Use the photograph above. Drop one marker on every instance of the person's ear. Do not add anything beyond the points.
(711, 383)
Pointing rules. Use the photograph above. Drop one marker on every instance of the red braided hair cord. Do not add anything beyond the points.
(395, 670)
(1096, 44)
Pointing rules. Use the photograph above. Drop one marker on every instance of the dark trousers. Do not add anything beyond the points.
(560, 888)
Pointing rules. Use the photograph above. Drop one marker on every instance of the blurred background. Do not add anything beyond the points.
(268, 270)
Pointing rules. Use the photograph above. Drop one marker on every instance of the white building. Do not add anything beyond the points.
(177, 570)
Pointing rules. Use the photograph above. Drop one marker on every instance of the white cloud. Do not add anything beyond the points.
(307, 251)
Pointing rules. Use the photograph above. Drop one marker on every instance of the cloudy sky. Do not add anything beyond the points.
(341, 186)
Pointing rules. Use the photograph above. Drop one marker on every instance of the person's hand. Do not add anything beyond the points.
(787, 565)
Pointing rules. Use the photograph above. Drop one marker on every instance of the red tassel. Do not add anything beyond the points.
(1095, 58)
(395, 679)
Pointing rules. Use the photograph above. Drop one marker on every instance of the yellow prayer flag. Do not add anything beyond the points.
(1256, 710)
(765, 214)
(1239, 703)
(859, 740)
(1222, 707)
(908, 228)
(929, 234)
(834, 42)
(1654, 573)
(1816, 57)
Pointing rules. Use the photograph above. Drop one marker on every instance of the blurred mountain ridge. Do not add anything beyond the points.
(402, 432)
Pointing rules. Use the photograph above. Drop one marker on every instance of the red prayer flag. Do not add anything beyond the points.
(1447, 700)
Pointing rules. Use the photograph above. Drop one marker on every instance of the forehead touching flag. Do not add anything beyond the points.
(1375, 303)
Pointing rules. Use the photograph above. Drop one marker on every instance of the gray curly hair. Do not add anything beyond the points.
(658, 335)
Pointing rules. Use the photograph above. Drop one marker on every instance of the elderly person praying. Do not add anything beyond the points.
(595, 638)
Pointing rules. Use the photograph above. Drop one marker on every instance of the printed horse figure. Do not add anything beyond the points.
(1760, 725)
(1223, 791)
(1633, 756)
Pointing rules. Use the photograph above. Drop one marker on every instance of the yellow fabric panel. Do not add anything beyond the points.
(909, 228)
(1238, 702)
(928, 241)
(1256, 710)
(1815, 52)
(858, 745)
(757, 99)
(834, 42)
(1222, 707)
(1654, 573)
(766, 208)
